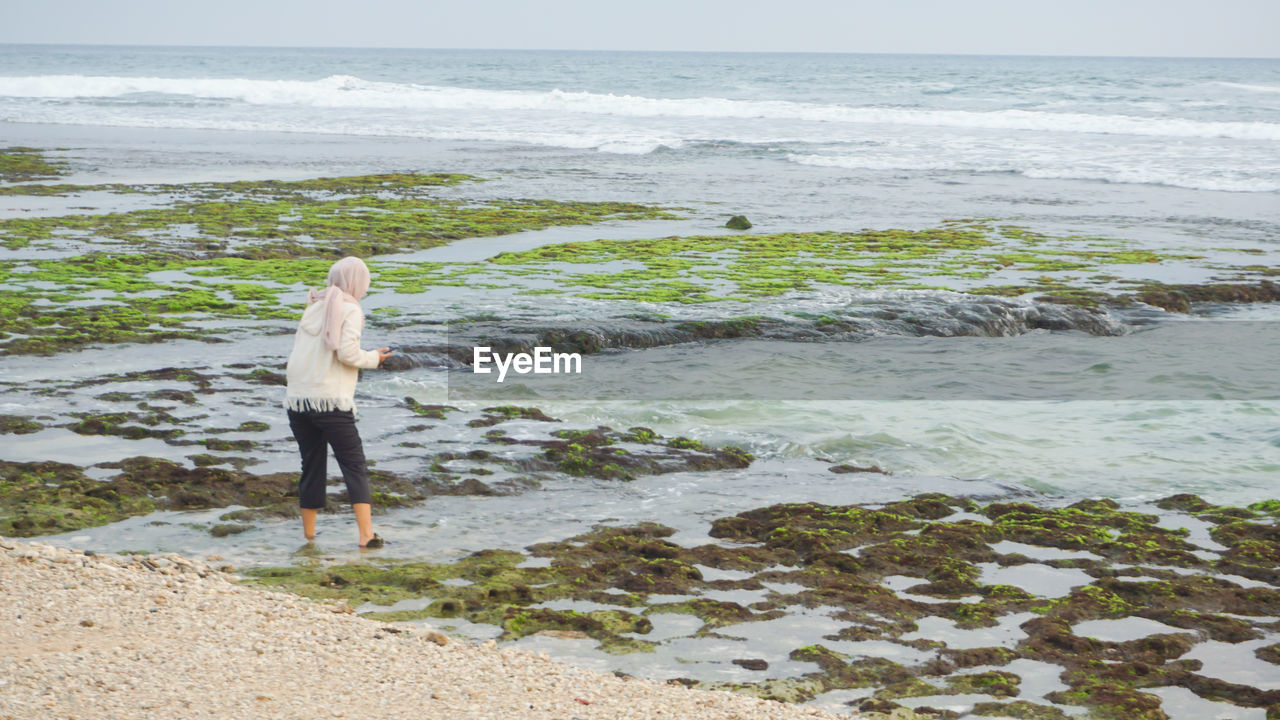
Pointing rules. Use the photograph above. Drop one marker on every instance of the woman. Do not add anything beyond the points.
(322, 373)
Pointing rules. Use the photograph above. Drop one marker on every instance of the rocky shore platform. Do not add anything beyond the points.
(89, 636)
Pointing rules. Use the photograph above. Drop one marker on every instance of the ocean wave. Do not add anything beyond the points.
(1170, 178)
(610, 143)
(1248, 86)
(345, 91)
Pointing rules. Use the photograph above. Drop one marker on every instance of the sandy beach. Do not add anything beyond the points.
(93, 636)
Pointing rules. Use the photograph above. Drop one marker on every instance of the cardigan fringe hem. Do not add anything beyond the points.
(318, 404)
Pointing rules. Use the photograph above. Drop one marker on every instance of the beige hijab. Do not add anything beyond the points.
(348, 282)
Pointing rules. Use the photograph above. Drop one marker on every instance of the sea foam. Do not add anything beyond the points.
(346, 91)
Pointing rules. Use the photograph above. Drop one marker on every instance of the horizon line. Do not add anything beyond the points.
(631, 50)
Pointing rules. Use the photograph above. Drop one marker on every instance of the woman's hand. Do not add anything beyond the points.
(383, 354)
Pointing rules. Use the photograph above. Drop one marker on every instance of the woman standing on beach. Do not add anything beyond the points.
(322, 373)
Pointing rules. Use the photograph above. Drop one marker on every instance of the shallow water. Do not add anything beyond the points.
(1005, 633)
(1123, 629)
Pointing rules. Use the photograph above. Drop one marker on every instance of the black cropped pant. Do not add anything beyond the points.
(336, 429)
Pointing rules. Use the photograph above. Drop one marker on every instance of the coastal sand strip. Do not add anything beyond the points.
(88, 637)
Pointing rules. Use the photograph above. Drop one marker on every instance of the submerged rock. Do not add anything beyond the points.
(845, 468)
(18, 425)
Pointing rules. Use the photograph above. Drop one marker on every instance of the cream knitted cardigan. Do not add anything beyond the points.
(322, 379)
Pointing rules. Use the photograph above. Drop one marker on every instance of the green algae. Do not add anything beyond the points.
(158, 272)
(911, 687)
(237, 252)
(1020, 709)
(495, 591)
(22, 164)
(436, 412)
(607, 626)
(18, 425)
(625, 566)
(114, 298)
(117, 424)
(713, 613)
(50, 497)
(958, 255)
(994, 682)
(595, 452)
(59, 190)
(387, 183)
(1269, 653)
(502, 413)
(282, 220)
(46, 498)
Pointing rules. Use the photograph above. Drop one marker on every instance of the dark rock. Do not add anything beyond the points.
(842, 469)
(18, 425)
(877, 705)
(751, 663)
(1269, 653)
(1168, 300)
(225, 529)
(738, 222)
(436, 412)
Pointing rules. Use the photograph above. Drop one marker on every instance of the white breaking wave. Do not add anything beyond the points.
(612, 143)
(345, 91)
(1249, 87)
(1084, 171)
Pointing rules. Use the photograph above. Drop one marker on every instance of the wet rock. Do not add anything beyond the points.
(751, 663)
(118, 424)
(1020, 709)
(1153, 650)
(1112, 702)
(225, 529)
(1050, 639)
(604, 625)
(996, 682)
(910, 687)
(738, 222)
(877, 705)
(1217, 627)
(1212, 688)
(597, 453)
(808, 529)
(842, 469)
(16, 425)
(202, 381)
(436, 412)
(1270, 653)
(1180, 298)
(221, 445)
(1169, 300)
(41, 498)
(502, 413)
(975, 657)
(807, 547)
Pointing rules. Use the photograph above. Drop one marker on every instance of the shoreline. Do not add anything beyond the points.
(130, 637)
(1178, 607)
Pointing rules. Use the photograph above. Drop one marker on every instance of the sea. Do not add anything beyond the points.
(1168, 152)
(1162, 152)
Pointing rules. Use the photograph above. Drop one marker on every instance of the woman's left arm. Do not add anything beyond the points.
(349, 351)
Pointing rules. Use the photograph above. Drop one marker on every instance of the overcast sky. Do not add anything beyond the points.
(1193, 28)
